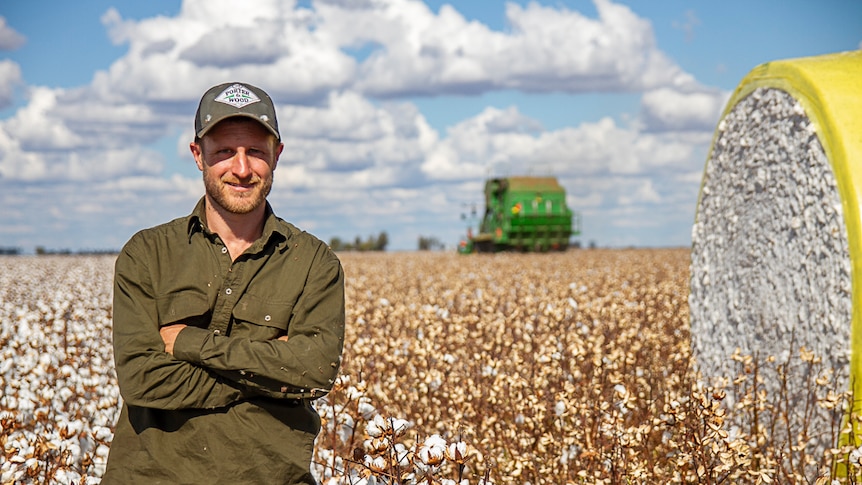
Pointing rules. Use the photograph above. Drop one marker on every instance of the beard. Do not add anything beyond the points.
(237, 203)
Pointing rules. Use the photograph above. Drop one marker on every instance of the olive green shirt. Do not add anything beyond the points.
(232, 404)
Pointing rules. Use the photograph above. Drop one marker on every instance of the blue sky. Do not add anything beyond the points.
(393, 111)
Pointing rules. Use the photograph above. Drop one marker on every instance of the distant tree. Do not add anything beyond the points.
(336, 244)
(430, 243)
(366, 245)
(382, 242)
(372, 243)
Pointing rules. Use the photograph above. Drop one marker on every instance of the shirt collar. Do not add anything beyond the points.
(272, 225)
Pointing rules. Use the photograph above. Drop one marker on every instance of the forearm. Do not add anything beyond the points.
(150, 377)
(302, 365)
(172, 384)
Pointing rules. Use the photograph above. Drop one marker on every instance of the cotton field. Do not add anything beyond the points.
(569, 367)
(60, 397)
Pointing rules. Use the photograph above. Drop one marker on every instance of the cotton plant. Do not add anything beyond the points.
(383, 449)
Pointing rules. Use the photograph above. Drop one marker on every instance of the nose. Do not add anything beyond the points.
(241, 167)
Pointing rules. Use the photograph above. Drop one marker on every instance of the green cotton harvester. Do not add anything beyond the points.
(523, 214)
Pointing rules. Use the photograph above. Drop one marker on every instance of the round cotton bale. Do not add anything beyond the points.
(776, 262)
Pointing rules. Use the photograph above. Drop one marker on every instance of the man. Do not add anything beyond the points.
(227, 323)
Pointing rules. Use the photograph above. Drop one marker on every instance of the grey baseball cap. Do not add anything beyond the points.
(235, 99)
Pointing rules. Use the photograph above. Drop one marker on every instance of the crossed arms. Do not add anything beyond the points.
(179, 366)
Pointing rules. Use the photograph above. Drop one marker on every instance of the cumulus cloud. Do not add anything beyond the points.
(10, 78)
(355, 143)
(176, 59)
(9, 38)
(476, 147)
(493, 140)
(547, 49)
(643, 192)
(35, 124)
(667, 109)
(241, 45)
(351, 141)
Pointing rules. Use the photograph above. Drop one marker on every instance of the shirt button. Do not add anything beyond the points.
(267, 318)
(216, 332)
(228, 291)
(223, 250)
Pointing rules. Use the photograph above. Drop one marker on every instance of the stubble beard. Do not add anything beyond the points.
(237, 203)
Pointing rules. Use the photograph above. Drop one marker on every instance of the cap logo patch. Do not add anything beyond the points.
(237, 96)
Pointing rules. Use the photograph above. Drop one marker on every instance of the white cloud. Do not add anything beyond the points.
(176, 59)
(259, 44)
(667, 109)
(34, 125)
(556, 49)
(592, 148)
(35, 145)
(17, 165)
(10, 78)
(642, 192)
(349, 140)
(477, 147)
(547, 49)
(9, 38)
(493, 140)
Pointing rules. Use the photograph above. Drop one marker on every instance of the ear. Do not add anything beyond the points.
(197, 152)
(278, 151)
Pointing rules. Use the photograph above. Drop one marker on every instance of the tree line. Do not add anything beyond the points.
(372, 243)
(379, 243)
(43, 251)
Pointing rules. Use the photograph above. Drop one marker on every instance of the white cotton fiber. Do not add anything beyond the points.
(770, 264)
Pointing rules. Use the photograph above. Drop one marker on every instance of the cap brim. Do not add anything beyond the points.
(214, 122)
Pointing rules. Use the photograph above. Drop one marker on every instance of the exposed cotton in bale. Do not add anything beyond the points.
(776, 242)
(770, 260)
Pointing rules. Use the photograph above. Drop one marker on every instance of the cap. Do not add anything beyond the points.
(235, 99)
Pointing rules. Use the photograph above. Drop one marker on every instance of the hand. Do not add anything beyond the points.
(283, 337)
(169, 336)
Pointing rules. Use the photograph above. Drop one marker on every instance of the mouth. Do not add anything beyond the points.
(241, 186)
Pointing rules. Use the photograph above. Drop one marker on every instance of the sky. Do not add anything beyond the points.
(393, 112)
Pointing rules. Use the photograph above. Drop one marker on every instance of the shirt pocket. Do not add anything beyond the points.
(187, 307)
(260, 319)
